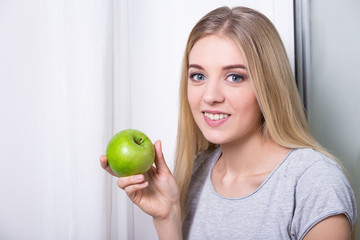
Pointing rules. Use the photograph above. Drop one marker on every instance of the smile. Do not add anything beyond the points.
(216, 117)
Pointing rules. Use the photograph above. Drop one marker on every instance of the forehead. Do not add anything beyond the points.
(216, 49)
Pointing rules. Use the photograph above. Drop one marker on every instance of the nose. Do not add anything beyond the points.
(213, 92)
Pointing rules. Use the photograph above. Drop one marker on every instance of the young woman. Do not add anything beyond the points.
(246, 165)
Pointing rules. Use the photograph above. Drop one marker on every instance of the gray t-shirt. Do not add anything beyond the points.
(305, 188)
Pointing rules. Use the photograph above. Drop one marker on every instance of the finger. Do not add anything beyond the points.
(132, 188)
(124, 182)
(104, 164)
(159, 158)
(103, 161)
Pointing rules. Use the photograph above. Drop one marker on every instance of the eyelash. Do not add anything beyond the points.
(241, 77)
(194, 76)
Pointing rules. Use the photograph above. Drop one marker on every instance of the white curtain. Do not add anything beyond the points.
(74, 72)
(56, 64)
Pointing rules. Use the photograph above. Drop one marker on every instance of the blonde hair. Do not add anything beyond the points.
(284, 120)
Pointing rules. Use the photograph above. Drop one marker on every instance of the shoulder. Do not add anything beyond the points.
(305, 163)
(304, 158)
(201, 167)
(318, 175)
(316, 170)
(321, 190)
(204, 159)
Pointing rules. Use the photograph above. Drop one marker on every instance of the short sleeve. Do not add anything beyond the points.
(321, 191)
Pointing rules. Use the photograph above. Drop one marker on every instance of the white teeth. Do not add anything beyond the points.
(216, 116)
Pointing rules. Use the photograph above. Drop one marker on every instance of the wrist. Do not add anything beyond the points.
(170, 226)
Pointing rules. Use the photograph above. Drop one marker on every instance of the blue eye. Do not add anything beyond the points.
(234, 78)
(197, 77)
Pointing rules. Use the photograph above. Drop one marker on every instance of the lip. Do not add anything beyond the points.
(215, 123)
(214, 112)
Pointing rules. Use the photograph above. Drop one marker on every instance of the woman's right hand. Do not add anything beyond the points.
(155, 192)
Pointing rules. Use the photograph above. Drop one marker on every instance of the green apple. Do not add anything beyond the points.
(130, 152)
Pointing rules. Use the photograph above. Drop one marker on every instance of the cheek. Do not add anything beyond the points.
(249, 107)
(255, 110)
(193, 98)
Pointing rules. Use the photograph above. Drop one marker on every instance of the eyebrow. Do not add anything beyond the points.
(228, 67)
(234, 66)
(195, 66)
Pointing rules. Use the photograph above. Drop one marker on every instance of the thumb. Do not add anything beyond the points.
(159, 158)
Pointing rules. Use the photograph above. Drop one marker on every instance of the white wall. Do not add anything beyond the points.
(157, 34)
(333, 89)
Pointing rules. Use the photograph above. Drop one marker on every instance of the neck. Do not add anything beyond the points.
(257, 155)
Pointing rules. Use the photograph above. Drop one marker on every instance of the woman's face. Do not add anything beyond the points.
(220, 93)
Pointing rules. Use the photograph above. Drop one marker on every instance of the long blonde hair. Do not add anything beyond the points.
(284, 120)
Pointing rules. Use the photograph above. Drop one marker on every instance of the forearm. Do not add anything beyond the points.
(170, 227)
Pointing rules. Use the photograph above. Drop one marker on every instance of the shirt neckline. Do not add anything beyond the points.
(216, 158)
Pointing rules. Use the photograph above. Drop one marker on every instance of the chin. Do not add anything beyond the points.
(215, 138)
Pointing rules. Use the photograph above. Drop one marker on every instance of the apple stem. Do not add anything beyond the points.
(138, 143)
